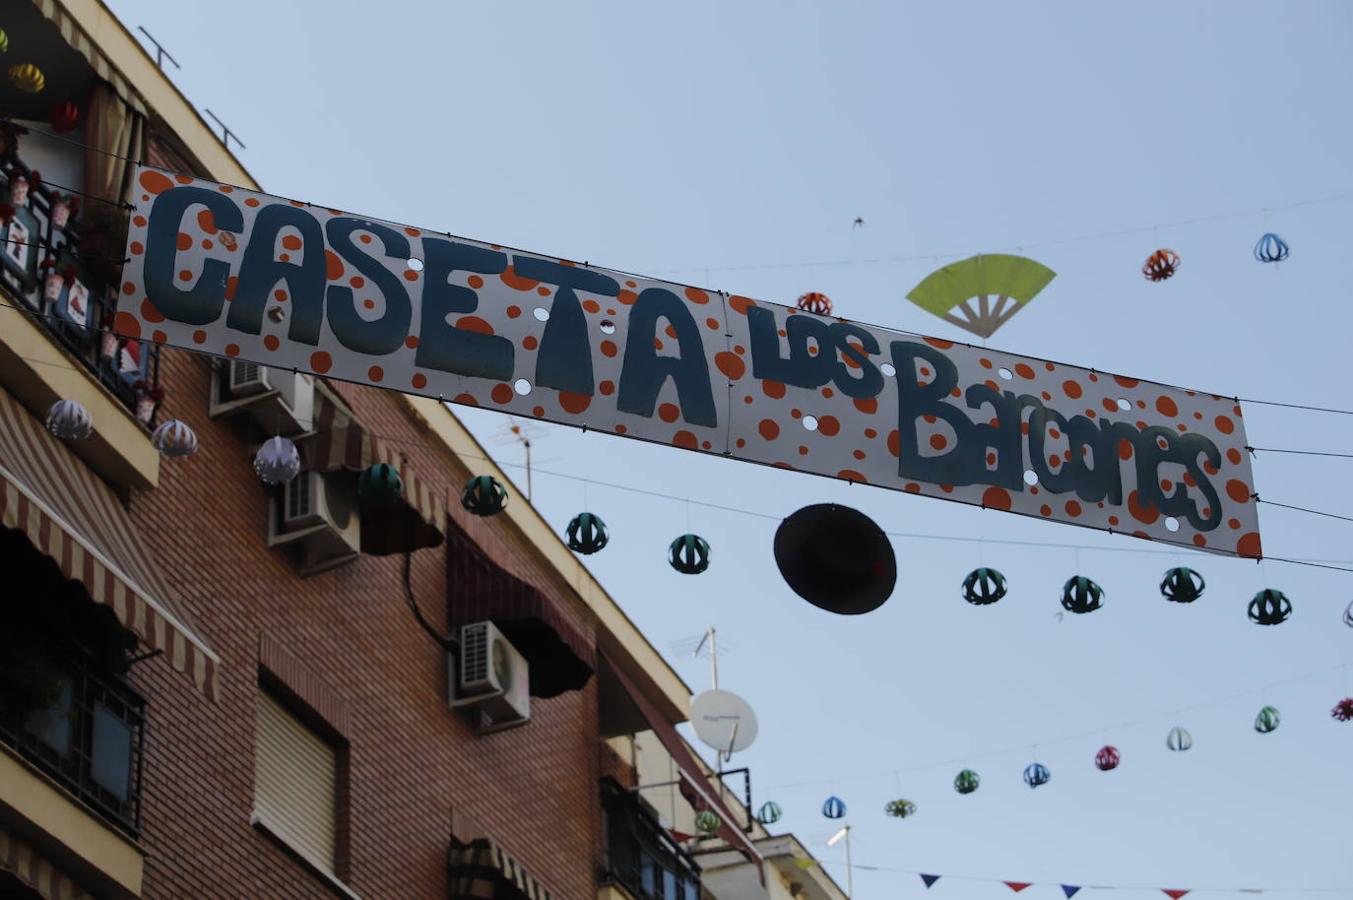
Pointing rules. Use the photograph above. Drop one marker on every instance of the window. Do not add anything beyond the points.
(295, 784)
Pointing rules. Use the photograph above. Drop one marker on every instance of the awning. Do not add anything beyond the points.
(478, 589)
(80, 42)
(342, 442)
(691, 772)
(480, 868)
(32, 869)
(73, 517)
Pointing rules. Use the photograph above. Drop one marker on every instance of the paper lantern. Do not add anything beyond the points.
(1081, 595)
(4, 41)
(769, 813)
(706, 822)
(1178, 739)
(379, 486)
(816, 303)
(1343, 710)
(1266, 721)
(1108, 758)
(1270, 607)
(587, 534)
(174, 439)
(834, 808)
(983, 586)
(689, 554)
(836, 558)
(1036, 774)
(967, 781)
(1271, 249)
(64, 115)
(1348, 615)
(1182, 585)
(69, 421)
(1160, 265)
(900, 809)
(277, 461)
(484, 495)
(27, 78)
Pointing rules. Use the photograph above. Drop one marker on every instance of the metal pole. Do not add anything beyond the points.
(850, 875)
(714, 657)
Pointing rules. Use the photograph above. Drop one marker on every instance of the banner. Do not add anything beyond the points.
(223, 270)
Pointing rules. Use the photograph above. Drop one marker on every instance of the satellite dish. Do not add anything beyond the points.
(723, 721)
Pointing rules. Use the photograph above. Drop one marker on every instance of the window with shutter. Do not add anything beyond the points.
(295, 782)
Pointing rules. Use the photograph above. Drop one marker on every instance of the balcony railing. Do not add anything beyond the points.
(89, 739)
(43, 268)
(641, 856)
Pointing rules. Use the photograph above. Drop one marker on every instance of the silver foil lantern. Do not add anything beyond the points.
(70, 421)
(174, 438)
(277, 461)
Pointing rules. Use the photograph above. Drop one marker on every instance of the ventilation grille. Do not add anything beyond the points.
(244, 373)
(475, 654)
(299, 500)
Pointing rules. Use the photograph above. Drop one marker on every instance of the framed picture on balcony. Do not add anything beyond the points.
(77, 303)
(16, 244)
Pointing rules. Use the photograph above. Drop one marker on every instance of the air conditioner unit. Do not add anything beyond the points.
(281, 402)
(319, 516)
(493, 676)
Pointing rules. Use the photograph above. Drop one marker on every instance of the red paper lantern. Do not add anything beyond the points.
(1160, 265)
(1343, 710)
(64, 115)
(1107, 758)
(816, 303)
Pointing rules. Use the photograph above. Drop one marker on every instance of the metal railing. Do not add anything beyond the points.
(90, 739)
(43, 270)
(641, 856)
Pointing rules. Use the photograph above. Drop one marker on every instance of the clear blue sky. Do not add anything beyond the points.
(703, 136)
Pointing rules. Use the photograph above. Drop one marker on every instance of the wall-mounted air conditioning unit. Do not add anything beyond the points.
(318, 517)
(491, 675)
(281, 402)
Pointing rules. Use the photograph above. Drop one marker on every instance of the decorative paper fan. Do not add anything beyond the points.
(981, 293)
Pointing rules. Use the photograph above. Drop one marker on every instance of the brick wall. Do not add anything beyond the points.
(347, 637)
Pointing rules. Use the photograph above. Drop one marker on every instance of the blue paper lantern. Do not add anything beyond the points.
(834, 808)
(1036, 774)
(769, 813)
(1271, 249)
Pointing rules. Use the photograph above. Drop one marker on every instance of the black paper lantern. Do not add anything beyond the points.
(967, 781)
(983, 586)
(836, 558)
(1036, 774)
(587, 534)
(689, 554)
(1270, 607)
(379, 486)
(1081, 595)
(484, 495)
(1182, 585)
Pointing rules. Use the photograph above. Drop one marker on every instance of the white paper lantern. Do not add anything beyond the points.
(70, 421)
(174, 438)
(277, 461)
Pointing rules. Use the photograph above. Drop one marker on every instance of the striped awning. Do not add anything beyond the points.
(68, 513)
(481, 868)
(32, 869)
(342, 442)
(75, 36)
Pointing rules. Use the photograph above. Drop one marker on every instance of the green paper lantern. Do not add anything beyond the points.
(1267, 720)
(1182, 585)
(706, 822)
(983, 586)
(1270, 607)
(484, 495)
(379, 486)
(587, 534)
(769, 813)
(4, 41)
(689, 554)
(966, 782)
(1081, 595)
(900, 809)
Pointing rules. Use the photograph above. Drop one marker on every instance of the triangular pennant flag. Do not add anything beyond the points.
(805, 863)
(1176, 894)
(1070, 889)
(1017, 886)
(680, 836)
(930, 879)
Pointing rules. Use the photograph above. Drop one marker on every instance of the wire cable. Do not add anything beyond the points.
(1314, 512)
(1300, 452)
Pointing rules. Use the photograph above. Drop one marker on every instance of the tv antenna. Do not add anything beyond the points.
(520, 433)
(161, 54)
(226, 133)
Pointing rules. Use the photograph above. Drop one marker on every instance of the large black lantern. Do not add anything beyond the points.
(1270, 607)
(1081, 595)
(689, 554)
(836, 558)
(379, 486)
(1182, 585)
(587, 534)
(983, 586)
(484, 495)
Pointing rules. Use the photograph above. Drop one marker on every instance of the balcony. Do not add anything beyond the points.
(60, 257)
(641, 857)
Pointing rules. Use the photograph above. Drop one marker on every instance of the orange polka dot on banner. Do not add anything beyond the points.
(685, 439)
(1199, 540)
(668, 412)
(291, 242)
(938, 343)
(705, 445)
(467, 399)
(207, 244)
(730, 364)
(1249, 545)
(510, 278)
(1144, 514)
(1045, 510)
(747, 400)
(996, 498)
(538, 411)
(574, 403)
(375, 373)
(607, 388)
(769, 429)
(1224, 424)
(712, 324)
(149, 312)
(231, 283)
(412, 232)
(741, 443)
(867, 405)
(475, 282)
(475, 324)
(591, 306)
(321, 362)
(368, 303)
(410, 275)
(1166, 406)
(411, 342)
(894, 443)
(852, 475)
(1233, 524)
(1238, 490)
(232, 350)
(740, 305)
(1109, 405)
(695, 295)
(1024, 371)
(627, 297)
(137, 248)
(670, 331)
(139, 221)
(829, 425)
(947, 488)
(1233, 456)
(251, 201)
(280, 295)
(986, 363)
(206, 221)
(858, 454)
(620, 429)
(1209, 468)
(184, 241)
(501, 393)
(1072, 389)
(529, 342)
(939, 441)
(803, 451)
(657, 344)
(159, 337)
(333, 268)
(912, 488)
(1073, 508)
(870, 433)
(185, 275)
(773, 389)
(125, 324)
(513, 312)
(1113, 520)
(271, 342)
(154, 182)
(419, 381)
(608, 348)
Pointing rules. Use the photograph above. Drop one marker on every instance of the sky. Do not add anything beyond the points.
(731, 146)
